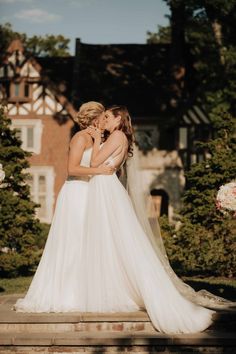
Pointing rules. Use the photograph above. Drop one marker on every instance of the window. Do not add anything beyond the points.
(147, 136)
(30, 137)
(20, 91)
(41, 182)
(183, 138)
(193, 158)
(16, 89)
(188, 137)
(26, 90)
(30, 132)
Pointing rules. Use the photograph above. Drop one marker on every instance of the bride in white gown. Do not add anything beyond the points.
(56, 286)
(122, 272)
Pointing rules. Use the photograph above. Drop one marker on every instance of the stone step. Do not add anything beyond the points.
(47, 333)
(17, 322)
(207, 338)
(101, 342)
(137, 322)
(111, 326)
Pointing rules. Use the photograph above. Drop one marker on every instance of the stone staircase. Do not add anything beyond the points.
(24, 333)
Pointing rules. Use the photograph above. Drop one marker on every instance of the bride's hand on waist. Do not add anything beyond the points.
(106, 169)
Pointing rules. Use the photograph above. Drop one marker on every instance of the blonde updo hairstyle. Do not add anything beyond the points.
(88, 112)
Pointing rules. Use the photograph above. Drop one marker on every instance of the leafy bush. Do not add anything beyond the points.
(194, 250)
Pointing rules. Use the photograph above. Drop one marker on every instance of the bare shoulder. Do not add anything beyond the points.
(81, 138)
(118, 138)
(118, 135)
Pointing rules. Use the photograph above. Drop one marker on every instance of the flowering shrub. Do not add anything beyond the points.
(226, 198)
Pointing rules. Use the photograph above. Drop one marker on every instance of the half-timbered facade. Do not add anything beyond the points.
(35, 108)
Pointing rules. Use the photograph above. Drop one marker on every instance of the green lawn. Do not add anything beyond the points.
(15, 285)
(224, 287)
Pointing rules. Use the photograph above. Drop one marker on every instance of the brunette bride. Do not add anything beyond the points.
(56, 285)
(122, 269)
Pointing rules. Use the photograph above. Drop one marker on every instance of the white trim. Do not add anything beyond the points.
(37, 126)
(49, 174)
(12, 110)
(29, 71)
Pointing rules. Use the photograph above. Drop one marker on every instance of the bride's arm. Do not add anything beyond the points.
(112, 144)
(77, 148)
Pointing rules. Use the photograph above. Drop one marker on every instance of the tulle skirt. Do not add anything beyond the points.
(98, 259)
(56, 285)
(122, 271)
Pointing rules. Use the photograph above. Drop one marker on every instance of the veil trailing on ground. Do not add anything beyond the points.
(152, 231)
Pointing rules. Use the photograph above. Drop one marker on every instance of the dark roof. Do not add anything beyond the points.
(136, 75)
(128, 74)
(60, 71)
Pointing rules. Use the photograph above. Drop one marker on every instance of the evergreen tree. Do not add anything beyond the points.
(206, 241)
(205, 178)
(19, 229)
(215, 232)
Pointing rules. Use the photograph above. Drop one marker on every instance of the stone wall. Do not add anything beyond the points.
(163, 170)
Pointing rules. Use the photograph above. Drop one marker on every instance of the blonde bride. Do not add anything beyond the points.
(56, 285)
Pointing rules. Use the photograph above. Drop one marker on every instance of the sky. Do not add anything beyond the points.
(93, 21)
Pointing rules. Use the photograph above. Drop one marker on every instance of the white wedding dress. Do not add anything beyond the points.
(56, 285)
(98, 259)
(120, 268)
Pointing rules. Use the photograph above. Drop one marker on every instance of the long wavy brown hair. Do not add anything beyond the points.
(125, 125)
